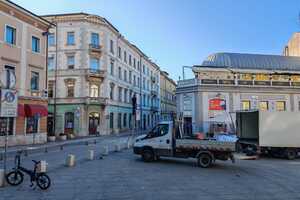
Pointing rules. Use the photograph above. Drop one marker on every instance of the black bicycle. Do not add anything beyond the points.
(16, 177)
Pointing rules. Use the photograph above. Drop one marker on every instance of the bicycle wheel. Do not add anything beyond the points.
(43, 181)
(14, 178)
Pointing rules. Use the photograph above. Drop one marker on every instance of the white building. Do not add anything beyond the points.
(97, 74)
(227, 82)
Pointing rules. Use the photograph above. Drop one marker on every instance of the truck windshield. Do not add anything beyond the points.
(158, 131)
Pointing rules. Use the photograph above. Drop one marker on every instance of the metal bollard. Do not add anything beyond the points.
(91, 155)
(2, 178)
(46, 150)
(70, 162)
(105, 151)
(95, 141)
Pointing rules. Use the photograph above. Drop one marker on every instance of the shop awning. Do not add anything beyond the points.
(35, 110)
(21, 111)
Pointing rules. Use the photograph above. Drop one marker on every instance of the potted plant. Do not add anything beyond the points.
(62, 136)
(51, 137)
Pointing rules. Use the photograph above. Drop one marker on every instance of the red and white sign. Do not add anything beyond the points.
(217, 104)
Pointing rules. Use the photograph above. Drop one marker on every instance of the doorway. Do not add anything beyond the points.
(69, 123)
(94, 121)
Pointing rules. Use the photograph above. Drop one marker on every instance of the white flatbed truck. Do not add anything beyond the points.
(164, 141)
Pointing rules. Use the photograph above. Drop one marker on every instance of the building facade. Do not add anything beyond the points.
(23, 43)
(229, 82)
(98, 72)
(167, 97)
(292, 48)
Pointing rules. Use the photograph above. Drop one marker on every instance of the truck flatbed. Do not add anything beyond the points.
(205, 144)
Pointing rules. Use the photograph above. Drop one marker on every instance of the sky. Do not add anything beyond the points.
(176, 33)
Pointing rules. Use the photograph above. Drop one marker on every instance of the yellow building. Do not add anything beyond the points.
(293, 46)
(167, 96)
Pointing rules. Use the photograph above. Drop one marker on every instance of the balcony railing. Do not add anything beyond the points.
(96, 100)
(95, 47)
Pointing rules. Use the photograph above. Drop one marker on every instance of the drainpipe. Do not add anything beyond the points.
(55, 78)
(141, 103)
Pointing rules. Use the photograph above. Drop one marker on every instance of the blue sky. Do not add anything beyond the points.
(176, 32)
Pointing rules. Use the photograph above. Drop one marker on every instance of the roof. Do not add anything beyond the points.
(252, 61)
(30, 13)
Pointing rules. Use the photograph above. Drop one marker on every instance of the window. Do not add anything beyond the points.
(95, 39)
(70, 38)
(144, 100)
(125, 75)
(10, 35)
(69, 120)
(245, 105)
(119, 120)
(125, 120)
(139, 81)
(144, 83)
(125, 57)
(130, 77)
(130, 121)
(51, 39)
(111, 120)
(120, 73)
(119, 52)
(144, 69)
(34, 81)
(32, 124)
(280, 106)
(35, 44)
(130, 62)
(71, 62)
(50, 63)
(111, 46)
(120, 94)
(9, 70)
(125, 95)
(158, 131)
(3, 125)
(94, 91)
(50, 89)
(94, 64)
(263, 105)
(134, 80)
(112, 68)
(134, 63)
(70, 89)
(111, 94)
(139, 68)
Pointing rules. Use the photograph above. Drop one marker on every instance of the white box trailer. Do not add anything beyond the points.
(276, 133)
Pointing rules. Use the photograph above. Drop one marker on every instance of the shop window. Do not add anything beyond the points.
(280, 106)
(246, 105)
(263, 105)
(125, 120)
(3, 126)
(69, 120)
(111, 120)
(119, 120)
(32, 125)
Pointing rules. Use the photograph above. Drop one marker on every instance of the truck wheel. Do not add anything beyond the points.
(291, 154)
(148, 155)
(204, 160)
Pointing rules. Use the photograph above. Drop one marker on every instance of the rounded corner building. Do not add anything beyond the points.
(228, 82)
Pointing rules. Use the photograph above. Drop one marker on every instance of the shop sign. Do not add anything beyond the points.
(217, 104)
(9, 103)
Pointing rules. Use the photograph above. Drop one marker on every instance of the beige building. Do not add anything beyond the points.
(98, 72)
(23, 43)
(293, 46)
(229, 82)
(167, 96)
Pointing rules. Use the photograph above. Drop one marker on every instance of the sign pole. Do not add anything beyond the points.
(5, 146)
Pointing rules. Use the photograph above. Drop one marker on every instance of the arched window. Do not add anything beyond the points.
(94, 91)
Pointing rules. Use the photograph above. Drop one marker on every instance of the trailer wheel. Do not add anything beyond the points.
(148, 155)
(204, 160)
(291, 154)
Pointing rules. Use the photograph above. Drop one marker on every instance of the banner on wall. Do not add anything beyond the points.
(217, 104)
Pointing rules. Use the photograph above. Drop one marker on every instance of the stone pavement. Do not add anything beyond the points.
(123, 176)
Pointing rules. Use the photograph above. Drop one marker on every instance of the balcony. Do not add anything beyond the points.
(96, 101)
(95, 49)
(95, 74)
